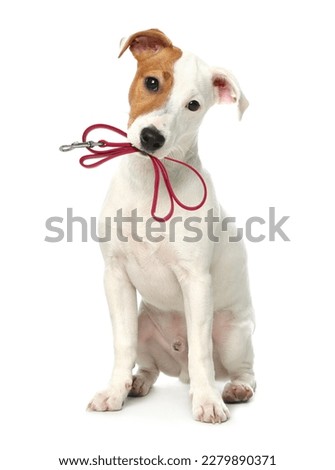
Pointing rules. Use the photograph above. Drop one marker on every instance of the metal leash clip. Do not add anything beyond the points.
(78, 145)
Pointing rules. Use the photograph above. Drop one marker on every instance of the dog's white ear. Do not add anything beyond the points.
(227, 90)
(145, 43)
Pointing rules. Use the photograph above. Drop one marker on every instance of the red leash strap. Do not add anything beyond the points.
(159, 167)
(116, 149)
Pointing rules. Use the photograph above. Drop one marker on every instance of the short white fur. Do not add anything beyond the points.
(196, 317)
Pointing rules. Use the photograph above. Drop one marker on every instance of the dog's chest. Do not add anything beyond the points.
(148, 265)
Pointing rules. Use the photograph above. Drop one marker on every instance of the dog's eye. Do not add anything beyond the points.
(193, 105)
(151, 83)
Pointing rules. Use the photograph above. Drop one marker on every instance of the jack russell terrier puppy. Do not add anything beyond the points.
(195, 320)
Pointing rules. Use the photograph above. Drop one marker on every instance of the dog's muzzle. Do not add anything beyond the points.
(151, 139)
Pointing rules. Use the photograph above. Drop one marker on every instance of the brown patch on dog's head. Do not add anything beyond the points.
(156, 56)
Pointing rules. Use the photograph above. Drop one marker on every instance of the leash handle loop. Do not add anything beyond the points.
(116, 149)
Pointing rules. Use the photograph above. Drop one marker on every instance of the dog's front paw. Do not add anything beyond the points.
(210, 409)
(237, 392)
(111, 399)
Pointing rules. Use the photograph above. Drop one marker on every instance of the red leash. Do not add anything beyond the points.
(117, 149)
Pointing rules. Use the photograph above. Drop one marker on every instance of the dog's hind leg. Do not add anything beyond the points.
(232, 342)
(162, 346)
(148, 371)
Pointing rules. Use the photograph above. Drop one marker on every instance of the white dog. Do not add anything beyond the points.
(196, 318)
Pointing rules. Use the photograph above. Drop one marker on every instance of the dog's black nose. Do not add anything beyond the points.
(151, 139)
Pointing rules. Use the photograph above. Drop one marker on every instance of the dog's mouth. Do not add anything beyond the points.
(143, 152)
(158, 155)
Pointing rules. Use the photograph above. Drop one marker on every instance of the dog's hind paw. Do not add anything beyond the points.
(237, 392)
(141, 386)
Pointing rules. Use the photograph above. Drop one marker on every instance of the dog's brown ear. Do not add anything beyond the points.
(227, 90)
(145, 43)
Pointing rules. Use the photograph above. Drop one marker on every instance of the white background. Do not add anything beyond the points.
(60, 73)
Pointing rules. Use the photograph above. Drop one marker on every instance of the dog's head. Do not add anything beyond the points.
(171, 93)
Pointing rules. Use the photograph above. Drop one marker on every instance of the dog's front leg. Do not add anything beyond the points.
(121, 297)
(207, 404)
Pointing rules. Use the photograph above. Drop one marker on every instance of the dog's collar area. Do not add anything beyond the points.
(116, 149)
